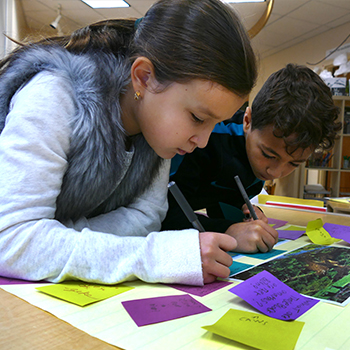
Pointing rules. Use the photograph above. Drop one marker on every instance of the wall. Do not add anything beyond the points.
(2, 27)
(12, 23)
(311, 50)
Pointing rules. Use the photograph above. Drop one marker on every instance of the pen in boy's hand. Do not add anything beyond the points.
(184, 205)
(246, 198)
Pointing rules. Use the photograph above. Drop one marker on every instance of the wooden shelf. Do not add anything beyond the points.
(335, 178)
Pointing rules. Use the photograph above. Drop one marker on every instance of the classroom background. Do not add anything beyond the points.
(282, 31)
(315, 33)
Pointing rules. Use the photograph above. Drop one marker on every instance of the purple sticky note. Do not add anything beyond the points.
(277, 223)
(201, 291)
(338, 231)
(8, 280)
(290, 234)
(160, 309)
(272, 297)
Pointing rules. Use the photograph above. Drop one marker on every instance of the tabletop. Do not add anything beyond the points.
(24, 326)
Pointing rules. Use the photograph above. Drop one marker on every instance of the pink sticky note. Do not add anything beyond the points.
(160, 309)
(277, 223)
(290, 234)
(338, 231)
(272, 297)
(201, 291)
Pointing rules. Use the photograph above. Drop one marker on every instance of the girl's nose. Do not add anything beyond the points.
(201, 140)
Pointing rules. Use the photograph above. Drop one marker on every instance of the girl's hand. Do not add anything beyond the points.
(215, 260)
(253, 236)
(259, 213)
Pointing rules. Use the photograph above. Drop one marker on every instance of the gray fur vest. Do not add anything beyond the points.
(93, 183)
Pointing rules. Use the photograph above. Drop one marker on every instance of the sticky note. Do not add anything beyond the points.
(256, 330)
(160, 309)
(81, 293)
(272, 297)
(7, 280)
(338, 231)
(318, 234)
(261, 256)
(290, 234)
(201, 291)
(238, 267)
(295, 228)
(275, 223)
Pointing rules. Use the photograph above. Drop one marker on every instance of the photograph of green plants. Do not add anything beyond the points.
(318, 271)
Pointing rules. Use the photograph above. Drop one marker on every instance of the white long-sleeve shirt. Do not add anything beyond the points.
(121, 245)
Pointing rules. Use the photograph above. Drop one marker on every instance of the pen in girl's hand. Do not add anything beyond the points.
(184, 205)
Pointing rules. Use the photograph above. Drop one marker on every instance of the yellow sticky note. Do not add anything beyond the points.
(295, 228)
(318, 234)
(81, 293)
(257, 330)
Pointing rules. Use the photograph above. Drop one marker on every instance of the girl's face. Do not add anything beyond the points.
(267, 153)
(182, 116)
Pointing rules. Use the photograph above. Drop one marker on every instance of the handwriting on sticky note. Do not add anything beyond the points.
(338, 231)
(81, 293)
(258, 331)
(272, 297)
(318, 234)
(160, 309)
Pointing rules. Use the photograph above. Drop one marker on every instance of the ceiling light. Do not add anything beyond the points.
(98, 4)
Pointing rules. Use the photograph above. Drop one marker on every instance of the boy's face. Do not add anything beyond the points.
(267, 153)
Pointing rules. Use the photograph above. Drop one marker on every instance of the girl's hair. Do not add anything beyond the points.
(184, 39)
(297, 102)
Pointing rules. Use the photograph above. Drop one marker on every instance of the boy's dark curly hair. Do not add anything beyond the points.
(296, 101)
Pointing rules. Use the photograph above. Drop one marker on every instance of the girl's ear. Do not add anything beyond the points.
(142, 75)
(247, 120)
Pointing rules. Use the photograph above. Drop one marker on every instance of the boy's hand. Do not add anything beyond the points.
(259, 213)
(253, 236)
(215, 260)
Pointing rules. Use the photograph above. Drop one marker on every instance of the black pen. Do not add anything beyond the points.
(184, 205)
(246, 199)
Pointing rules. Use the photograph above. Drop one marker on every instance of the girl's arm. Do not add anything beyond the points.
(35, 246)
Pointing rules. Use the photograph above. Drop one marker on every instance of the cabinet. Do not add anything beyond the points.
(333, 175)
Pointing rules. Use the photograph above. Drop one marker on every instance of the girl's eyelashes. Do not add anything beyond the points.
(196, 119)
(294, 164)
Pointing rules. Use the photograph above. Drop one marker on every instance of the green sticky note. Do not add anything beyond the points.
(257, 330)
(318, 234)
(81, 293)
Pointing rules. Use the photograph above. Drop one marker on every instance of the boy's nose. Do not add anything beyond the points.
(275, 172)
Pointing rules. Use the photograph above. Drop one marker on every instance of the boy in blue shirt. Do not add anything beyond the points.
(291, 116)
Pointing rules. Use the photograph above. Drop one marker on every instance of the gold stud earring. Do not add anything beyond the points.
(137, 95)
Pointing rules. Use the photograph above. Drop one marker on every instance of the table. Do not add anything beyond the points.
(338, 207)
(302, 217)
(24, 326)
